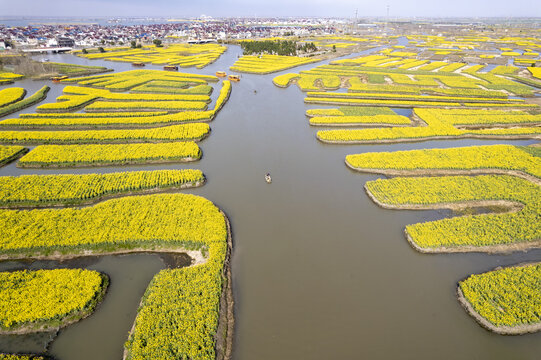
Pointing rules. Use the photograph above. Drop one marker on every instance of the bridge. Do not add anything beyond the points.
(53, 50)
(201, 41)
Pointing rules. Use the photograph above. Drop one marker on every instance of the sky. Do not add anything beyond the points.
(268, 8)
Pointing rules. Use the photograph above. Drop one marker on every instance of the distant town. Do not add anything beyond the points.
(81, 33)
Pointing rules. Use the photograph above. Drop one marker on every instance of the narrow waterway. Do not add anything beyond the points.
(319, 271)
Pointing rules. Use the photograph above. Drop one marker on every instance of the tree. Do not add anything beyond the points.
(133, 44)
(157, 42)
(279, 47)
(101, 50)
(334, 48)
(139, 46)
(85, 51)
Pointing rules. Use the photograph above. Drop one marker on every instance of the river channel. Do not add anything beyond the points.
(319, 271)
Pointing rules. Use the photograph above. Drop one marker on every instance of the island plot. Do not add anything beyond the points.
(44, 300)
(186, 312)
(449, 99)
(183, 55)
(12, 99)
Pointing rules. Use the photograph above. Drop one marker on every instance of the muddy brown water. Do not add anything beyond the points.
(319, 271)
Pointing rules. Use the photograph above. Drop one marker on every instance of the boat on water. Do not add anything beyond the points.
(234, 77)
(268, 178)
(138, 64)
(170, 68)
(57, 79)
(220, 73)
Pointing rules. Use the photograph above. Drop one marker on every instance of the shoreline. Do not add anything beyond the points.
(196, 255)
(489, 249)
(69, 319)
(226, 322)
(446, 172)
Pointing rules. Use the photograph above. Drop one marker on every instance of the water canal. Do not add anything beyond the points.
(319, 271)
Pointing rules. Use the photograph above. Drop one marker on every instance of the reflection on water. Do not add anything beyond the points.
(319, 271)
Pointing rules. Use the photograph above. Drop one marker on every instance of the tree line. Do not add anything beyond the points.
(277, 47)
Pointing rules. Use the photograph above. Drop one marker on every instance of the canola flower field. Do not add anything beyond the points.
(127, 119)
(105, 120)
(450, 99)
(393, 73)
(128, 80)
(8, 153)
(20, 357)
(187, 320)
(266, 64)
(507, 298)
(77, 97)
(466, 233)
(187, 335)
(48, 299)
(168, 221)
(378, 120)
(110, 154)
(11, 95)
(183, 132)
(437, 127)
(22, 103)
(179, 312)
(522, 159)
(68, 189)
(153, 223)
(184, 55)
(7, 77)
(351, 111)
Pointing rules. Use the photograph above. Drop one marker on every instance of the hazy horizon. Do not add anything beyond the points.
(244, 8)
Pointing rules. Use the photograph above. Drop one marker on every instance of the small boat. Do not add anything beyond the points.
(220, 73)
(268, 178)
(234, 77)
(57, 79)
(170, 67)
(138, 64)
